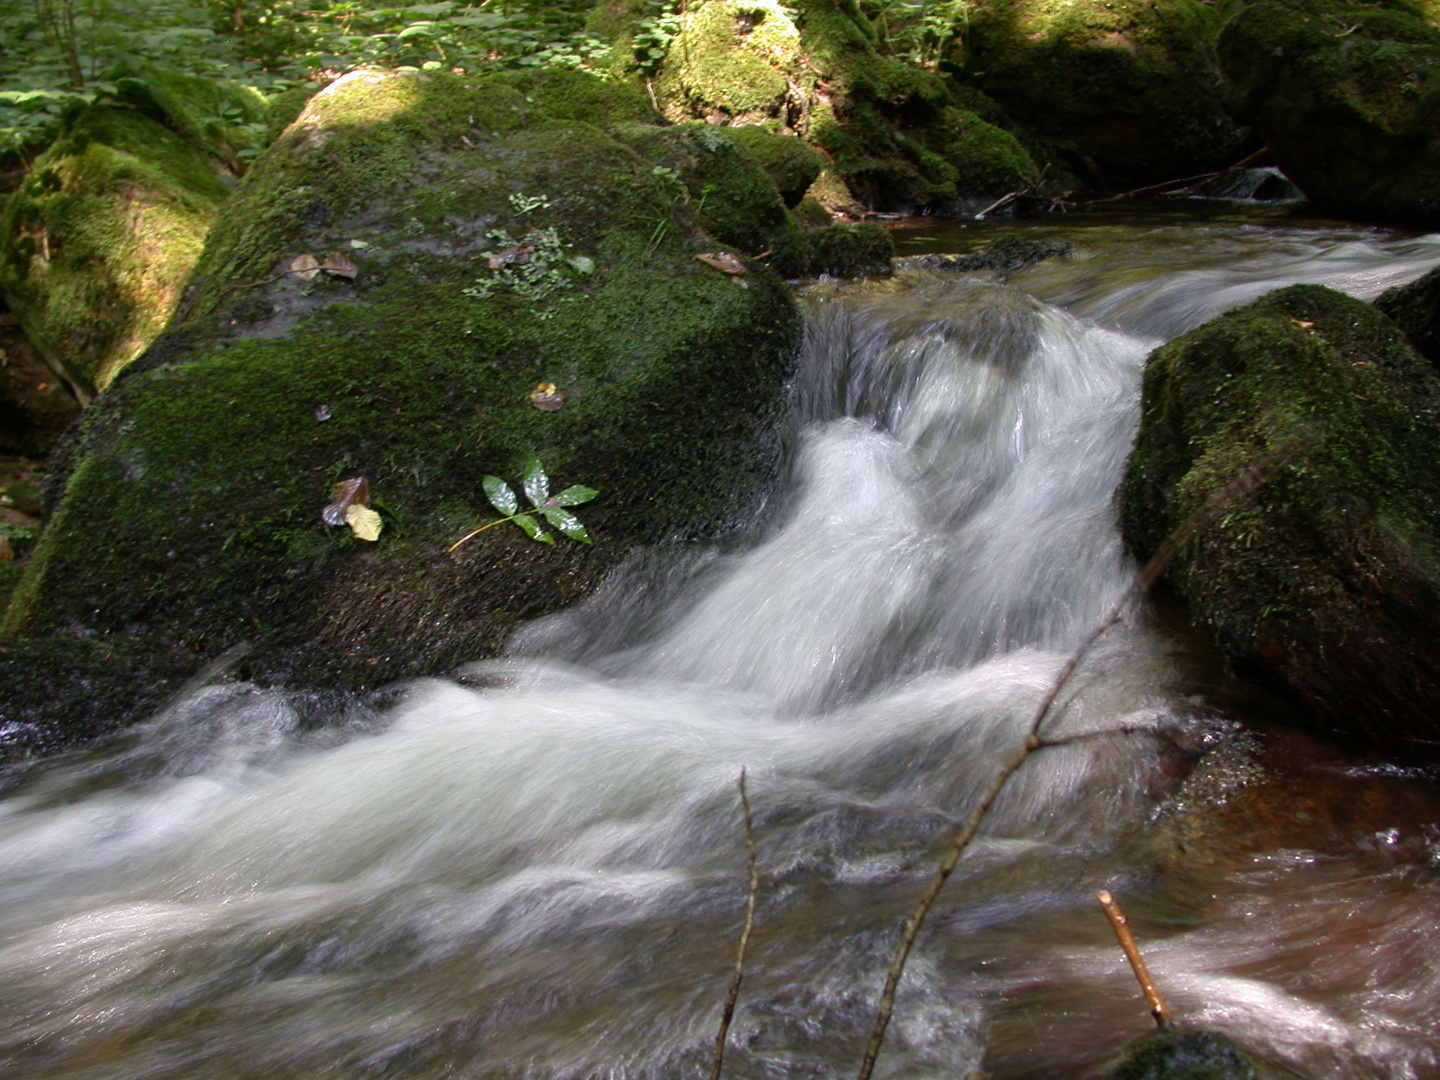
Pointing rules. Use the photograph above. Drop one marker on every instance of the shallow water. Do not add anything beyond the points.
(537, 869)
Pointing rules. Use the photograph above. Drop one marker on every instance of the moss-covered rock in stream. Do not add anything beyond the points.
(863, 249)
(1415, 308)
(811, 71)
(1133, 85)
(1347, 96)
(97, 242)
(1188, 1055)
(1325, 582)
(500, 241)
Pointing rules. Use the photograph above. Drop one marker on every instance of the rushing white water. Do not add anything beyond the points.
(538, 870)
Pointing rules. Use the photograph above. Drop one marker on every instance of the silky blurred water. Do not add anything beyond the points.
(536, 869)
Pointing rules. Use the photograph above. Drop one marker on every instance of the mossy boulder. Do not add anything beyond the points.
(730, 195)
(860, 250)
(731, 61)
(1347, 96)
(190, 515)
(1133, 85)
(811, 70)
(1324, 582)
(1415, 308)
(988, 160)
(791, 164)
(97, 242)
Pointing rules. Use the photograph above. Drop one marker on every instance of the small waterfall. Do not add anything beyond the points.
(537, 869)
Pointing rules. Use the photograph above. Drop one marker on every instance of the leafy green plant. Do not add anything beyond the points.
(917, 31)
(653, 35)
(536, 485)
(535, 265)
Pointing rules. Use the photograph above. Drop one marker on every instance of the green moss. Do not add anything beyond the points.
(99, 238)
(850, 250)
(731, 59)
(988, 160)
(1134, 85)
(730, 197)
(282, 109)
(198, 478)
(9, 578)
(791, 163)
(1311, 576)
(811, 213)
(1365, 76)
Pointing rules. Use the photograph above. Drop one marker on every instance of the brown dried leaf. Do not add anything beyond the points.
(723, 261)
(547, 397)
(1304, 324)
(347, 493)
(304, 266)
(341, 265)
(512, 256)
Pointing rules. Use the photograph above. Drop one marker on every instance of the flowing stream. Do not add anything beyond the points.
(537, 869)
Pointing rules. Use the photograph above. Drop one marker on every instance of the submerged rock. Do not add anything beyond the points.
(1132, 85)
(1188, 1055)
(1326, 581)
(486, 237)
(1345, 95)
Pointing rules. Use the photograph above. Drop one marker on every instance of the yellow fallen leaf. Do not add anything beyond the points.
(304, 267)
(364, 522)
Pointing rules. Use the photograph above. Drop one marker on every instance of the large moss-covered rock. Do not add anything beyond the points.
(1415, 308)
(1325, 581)
(97, 242)
(1347, 96)
(190, 516)
(987, 159)
(811, 70)
(1133, 85)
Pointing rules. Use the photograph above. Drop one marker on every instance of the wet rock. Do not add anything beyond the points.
(1325, 582)
(861, 250)
(1345, 95)
(1415, 308)
(188, 508)
(1008, 253)
(1134, 87)
(1190, 1055)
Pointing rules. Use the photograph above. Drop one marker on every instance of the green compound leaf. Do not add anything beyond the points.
(537, 484)
(566, 522)
(500, 495)
(532, 530)
(574, 496)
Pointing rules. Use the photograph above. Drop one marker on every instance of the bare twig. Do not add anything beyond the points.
(729, 1011)
(1158, 1009)
(1247, 481)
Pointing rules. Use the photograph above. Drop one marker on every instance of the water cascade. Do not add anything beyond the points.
(536, 869)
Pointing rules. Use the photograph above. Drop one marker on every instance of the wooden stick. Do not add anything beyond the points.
(729, 1011)
(1249, 479)
(1158, 1009)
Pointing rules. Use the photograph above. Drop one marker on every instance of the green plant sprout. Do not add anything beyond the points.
(537, 492)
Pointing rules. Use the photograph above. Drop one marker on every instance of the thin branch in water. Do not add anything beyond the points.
(754, 887)
(1158, 1009)
(1247, 481)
